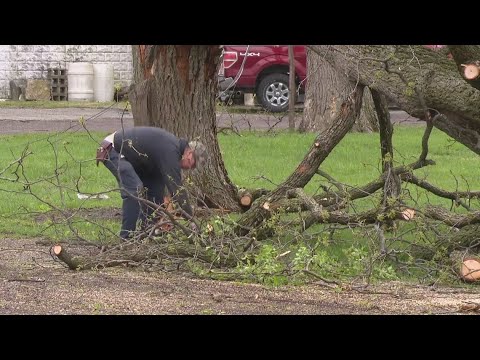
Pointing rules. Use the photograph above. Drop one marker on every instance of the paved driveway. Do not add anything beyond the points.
(14, 120)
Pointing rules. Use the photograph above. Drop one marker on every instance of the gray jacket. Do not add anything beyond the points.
(155, 153)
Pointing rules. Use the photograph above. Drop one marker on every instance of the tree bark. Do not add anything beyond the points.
(368, 119)
(327, 89)
(392, 186)
(419, 80)
(136, 254)
(386, 130)
(175, 87)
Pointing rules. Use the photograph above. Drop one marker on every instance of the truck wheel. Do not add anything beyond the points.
(273, 93)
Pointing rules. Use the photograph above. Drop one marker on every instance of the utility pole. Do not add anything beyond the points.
(291, 90)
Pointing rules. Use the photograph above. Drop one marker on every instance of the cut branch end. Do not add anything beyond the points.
(470, 271)
(471, 71)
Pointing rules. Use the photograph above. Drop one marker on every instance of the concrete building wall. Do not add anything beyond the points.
(33, 61)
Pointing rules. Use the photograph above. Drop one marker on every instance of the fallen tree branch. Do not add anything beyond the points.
(26, 280)
(360, 219)
(318, 152)
(312, 205)
(134, 254)
(328, 282)
(329, 199)
(337, 184)
(449, 218)
(452, 195)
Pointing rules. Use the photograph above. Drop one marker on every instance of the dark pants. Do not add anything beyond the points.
(142, 186)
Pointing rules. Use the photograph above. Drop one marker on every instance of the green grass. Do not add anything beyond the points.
(257, 154)
(249, 159)
(355, 161)
(76, 169)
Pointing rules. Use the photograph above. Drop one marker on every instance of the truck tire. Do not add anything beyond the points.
(273, 93)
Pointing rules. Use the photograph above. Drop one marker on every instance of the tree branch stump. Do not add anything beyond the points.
(248, 196)
(470, 71)
(73, 263)
(466, 266)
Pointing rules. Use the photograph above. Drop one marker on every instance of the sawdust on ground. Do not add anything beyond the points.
(32, 282)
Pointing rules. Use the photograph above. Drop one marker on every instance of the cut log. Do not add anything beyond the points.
(73, 263)
(248, 196)
(466, 266)
(471, 71)
(134, 254)
(470, 270)
(408, 214)
(246, 199)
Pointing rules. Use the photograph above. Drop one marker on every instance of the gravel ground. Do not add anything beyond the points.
(32, 282)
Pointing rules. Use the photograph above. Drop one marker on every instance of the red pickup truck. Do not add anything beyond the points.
(262, 70)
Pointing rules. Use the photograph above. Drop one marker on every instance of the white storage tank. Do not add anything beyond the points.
(80, 81)
(103, 88)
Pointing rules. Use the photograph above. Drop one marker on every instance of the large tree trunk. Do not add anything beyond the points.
(327, 90)
(419, 80)
(175, 87)
(368, 118)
